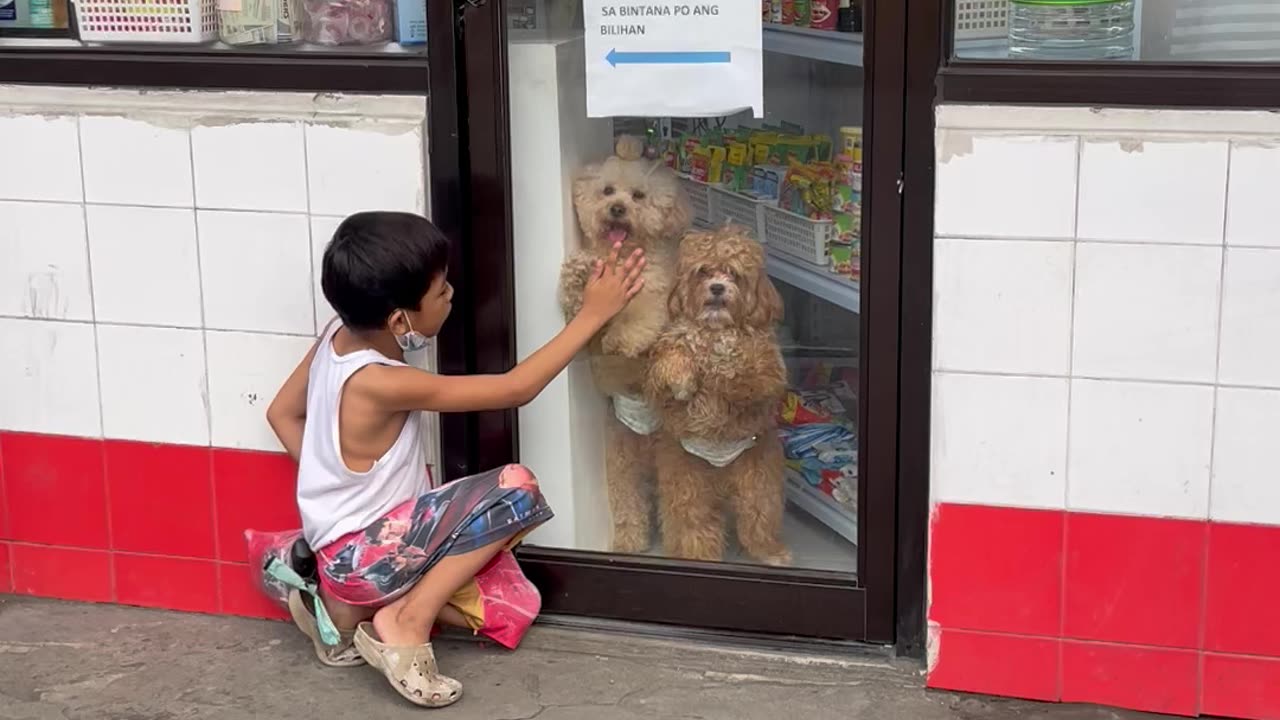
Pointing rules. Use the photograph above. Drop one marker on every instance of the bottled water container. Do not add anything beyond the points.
(1071, 29)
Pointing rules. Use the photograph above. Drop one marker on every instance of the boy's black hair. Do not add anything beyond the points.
(380, 262)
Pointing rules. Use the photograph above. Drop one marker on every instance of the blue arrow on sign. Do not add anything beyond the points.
(616, 58)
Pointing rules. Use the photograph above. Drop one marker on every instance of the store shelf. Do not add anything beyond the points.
(810, 499)
(826, 45)
(816, 281)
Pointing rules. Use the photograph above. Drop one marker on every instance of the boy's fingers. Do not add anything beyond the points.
(599, 271)
(635, 288)
(613, 255)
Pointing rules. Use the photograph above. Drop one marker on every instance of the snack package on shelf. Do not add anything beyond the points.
(347, 22)
(259, 22)
(819, 435)
(807, 175)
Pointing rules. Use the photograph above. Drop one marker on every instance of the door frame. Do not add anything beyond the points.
(481, 338)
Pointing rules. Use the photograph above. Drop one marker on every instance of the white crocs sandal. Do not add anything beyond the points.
(411, 670)
(342, 655)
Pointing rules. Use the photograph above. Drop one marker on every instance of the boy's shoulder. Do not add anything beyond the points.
(380, 382)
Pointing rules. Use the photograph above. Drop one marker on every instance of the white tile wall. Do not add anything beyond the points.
(1002, 306)
(256, 270)
(1140, 448)
(253, 166)
(1153, 190)
(1146, 311)
(1000, 440)
(201, 313)
(1251, 199)
(41, 158)
(153, 384)
(1021, 186)
(1246, 457)
(44, 261)
(48, 377)
(1172, 321)
(145, 266)
(130, 162)
(245, 371)
(354, 169)
(1251, 318)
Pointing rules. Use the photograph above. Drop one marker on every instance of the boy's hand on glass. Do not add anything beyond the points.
(613, 284)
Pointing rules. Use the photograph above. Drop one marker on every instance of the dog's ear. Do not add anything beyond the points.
(678, 301)
(767, 309)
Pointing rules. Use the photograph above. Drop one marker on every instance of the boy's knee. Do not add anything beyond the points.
(518, 476)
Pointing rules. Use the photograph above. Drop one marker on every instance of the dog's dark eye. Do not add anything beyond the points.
(703, 272)
(608, 190)
(637, 195)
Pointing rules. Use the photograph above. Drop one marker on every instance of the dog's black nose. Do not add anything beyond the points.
(717, 289)
(618, 210)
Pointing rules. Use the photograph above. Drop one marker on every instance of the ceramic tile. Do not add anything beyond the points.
(153, 384)
(1002, 306)
(1146, 312)
(1153, 191)
(1005, 186)
(999, 440)
(45, 273)
(127, 245)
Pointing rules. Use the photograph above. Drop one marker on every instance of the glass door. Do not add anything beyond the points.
(707, 458)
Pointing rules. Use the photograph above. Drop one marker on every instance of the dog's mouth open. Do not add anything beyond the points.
(617, 232)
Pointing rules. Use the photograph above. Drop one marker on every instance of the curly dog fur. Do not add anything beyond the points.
(639, 202)
(716, 374)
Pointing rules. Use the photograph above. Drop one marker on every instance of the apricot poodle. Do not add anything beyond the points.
(637, 202)
(716, 377)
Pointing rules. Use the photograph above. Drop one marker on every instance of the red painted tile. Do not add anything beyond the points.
(4, 505)
(64, 573)
(1134, 580)
(254, 490)
(996, 569)
(1241, 687)
(241, 596)
(1007, 665)
(161, 499)
(1243, 586)
(170, 583)
(55, 490)
(6, 576)
(1156, 680)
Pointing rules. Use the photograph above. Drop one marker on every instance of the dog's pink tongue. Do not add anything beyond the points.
(616, 236)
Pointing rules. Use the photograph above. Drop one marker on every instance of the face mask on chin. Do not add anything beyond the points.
(412, 341)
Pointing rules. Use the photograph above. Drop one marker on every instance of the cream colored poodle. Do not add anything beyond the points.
(639, 203)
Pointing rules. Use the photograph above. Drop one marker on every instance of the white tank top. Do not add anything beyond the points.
(334, 500)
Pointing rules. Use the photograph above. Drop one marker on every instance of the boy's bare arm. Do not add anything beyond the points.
(608, 291)
(405, 388)
(287, 413)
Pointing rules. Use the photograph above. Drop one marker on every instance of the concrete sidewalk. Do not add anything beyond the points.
(100, 662)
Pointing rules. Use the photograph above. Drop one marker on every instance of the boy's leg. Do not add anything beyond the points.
(408, 620)
(345, 617)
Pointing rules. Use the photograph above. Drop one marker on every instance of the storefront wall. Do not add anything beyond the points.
(159, 281)
(1106, 398)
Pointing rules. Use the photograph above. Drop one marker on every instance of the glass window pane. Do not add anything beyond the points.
(745, 450)
(1186, 31)
(341, 26)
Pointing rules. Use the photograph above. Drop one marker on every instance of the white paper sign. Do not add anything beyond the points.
(673, 58)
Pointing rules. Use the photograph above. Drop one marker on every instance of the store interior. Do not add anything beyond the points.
(791, 178)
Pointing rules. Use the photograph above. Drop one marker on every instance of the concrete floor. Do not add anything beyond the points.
(99, 662)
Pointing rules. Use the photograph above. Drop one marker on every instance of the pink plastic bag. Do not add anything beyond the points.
(263, 546)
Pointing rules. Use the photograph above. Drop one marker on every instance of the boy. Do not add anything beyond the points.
(394, 553)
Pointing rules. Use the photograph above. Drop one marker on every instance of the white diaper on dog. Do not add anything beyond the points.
(720, 454)
(636, 414)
